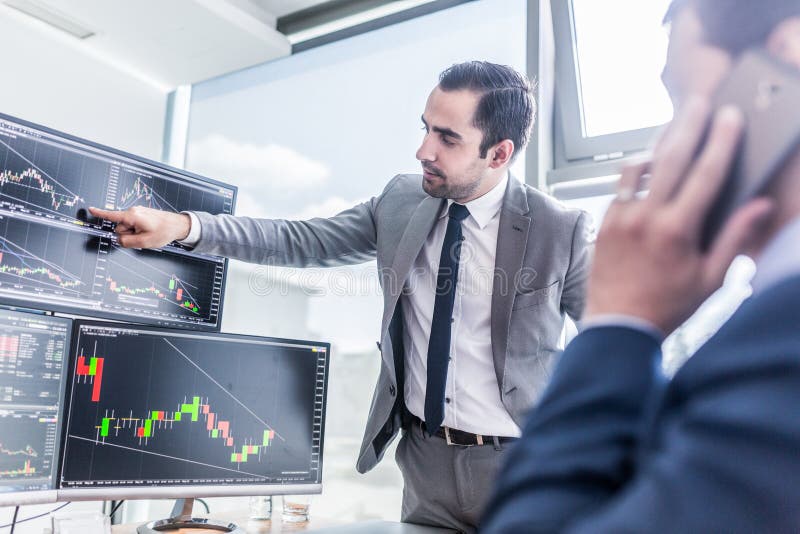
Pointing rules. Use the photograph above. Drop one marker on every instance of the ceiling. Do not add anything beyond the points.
(285, 7)
(174, 42)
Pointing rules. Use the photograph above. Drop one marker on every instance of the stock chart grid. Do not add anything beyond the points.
(53, 255)
(155, 407)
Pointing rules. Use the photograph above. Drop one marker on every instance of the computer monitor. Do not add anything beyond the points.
(53, 255)
(33, 351)
(155, 413)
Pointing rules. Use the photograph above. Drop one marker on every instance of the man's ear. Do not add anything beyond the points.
(501, 153)
(784, 41)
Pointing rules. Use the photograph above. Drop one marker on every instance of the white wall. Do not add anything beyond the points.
(48, 79)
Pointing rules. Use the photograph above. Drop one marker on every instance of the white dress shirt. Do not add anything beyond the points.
(194, 230)
(472, 396)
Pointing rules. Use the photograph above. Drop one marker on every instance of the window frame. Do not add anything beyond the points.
(577, 147)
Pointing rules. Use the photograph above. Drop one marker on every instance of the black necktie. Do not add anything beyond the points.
(439, 344)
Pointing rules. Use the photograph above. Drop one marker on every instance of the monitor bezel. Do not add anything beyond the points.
(26, 302)
(49, 495)
(183, 491)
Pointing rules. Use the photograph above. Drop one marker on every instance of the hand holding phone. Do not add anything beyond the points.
(648, 262)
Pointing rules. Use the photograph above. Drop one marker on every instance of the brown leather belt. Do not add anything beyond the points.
(459, 437)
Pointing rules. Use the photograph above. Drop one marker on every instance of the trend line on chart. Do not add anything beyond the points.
(151, 453)
(176, 292)
(32, 175)
(25, 470)
(145, 428)
(50, 270)
(141, 191)
(176, 287)
(94, 370)
(36, 168)
(220, 386)
(27, 451)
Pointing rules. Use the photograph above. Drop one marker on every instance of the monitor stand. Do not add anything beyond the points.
(182, 518)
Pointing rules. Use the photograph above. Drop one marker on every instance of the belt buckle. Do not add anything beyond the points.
(449, 440)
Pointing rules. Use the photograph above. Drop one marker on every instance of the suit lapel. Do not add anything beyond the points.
(417, 230)
(512, 239)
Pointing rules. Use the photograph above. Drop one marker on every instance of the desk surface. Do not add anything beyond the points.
(315, 525)
(261, 527)
(382, 527)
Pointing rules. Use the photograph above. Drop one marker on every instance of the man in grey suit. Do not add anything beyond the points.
(477, 271)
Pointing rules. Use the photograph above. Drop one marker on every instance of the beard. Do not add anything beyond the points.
(442, 187)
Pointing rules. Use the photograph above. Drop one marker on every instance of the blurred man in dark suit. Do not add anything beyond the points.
(614, 446)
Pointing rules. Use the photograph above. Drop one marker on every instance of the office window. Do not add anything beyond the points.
(619, 83)
(610, 102)
(310, 135)
(609, 57)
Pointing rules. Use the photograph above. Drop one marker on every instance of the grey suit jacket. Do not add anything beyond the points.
(542, 261)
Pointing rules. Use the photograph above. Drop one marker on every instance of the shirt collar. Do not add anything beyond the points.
(780, 259)
(484, 208)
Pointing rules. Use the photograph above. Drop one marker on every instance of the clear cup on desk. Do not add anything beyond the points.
(80, 521)
(261, 507)
(295, 508)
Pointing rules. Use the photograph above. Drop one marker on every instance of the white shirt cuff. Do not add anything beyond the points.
(627, 321)
(194, 231)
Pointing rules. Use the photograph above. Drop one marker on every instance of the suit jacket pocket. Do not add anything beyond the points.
(535, 297)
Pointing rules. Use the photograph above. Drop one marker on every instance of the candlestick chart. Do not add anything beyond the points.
(52, 177)
(32, 382)
(43, 260)
(54, 255)
(27, 446)
(63, 268)
(135, 187)
(156, 283)
(175, 408)
(48, 181)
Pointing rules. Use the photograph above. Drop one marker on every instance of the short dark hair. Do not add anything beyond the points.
(736, 25)
(507, 107)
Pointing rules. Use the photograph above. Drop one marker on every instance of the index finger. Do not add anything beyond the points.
(707, 178)
(110, 215)
(676, 149)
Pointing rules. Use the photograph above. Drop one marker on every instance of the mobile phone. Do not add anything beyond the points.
(768, 93)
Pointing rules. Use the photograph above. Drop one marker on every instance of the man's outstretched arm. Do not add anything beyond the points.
(347, 238)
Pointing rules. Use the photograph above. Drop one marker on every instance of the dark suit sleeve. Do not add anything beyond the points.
(576, 448)
(573, 298)
(722, 456)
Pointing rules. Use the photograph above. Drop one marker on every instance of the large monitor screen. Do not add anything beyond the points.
(53, 255)
(157, 413)
(33, 351)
